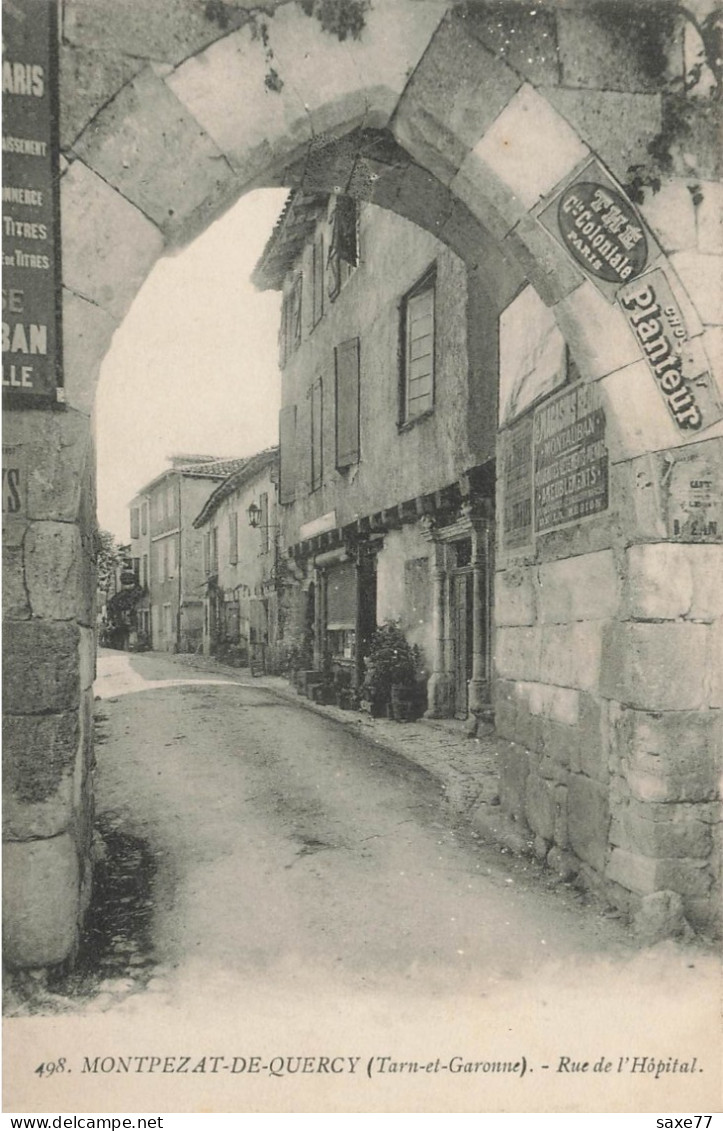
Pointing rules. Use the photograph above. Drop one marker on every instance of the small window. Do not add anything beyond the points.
(144, 574)
(214, 550)
(418, 349)
(317, 435)
(134, 523)
(233, 538)
(287, 454)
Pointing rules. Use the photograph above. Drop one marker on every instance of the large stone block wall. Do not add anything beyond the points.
(48, 691)
(608, 698)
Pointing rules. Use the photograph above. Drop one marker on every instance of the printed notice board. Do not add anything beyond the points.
(31, 324)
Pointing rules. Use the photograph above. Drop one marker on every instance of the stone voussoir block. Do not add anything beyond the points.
(41, 670)
(41, 901)
(530, 147)
(668, 580)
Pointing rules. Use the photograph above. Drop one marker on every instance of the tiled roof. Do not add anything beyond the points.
(291, 231)
(216, 467)
(248, 469)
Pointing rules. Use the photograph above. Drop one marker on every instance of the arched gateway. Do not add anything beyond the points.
(506, 130)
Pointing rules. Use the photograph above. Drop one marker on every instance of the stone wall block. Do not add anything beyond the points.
(40, 901)
(517, 653)
(488, 198)
(87, 331)
(530, 147)
(585, 587)
(709, 218)
(88, 80)
(632, 870)
(109, 246)
(514, 768)
(570, 654)
(588, 817)
(548, 268)
(540, 806)
(668, 580)
(638, 420)
(515, 597)
(41, 666)
(671, 214)
(53, 569)
(596, 332)
(702, 276)
(562, 744)
(680, 839)
(562, 829)
(15, 595)
(454, 95)
(86, 658)
(593, 740)
(600, 48)
(656, 666)
(596, 115)
(54, 447)
(38, 755)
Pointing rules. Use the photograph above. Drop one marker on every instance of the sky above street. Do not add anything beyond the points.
(194, 366)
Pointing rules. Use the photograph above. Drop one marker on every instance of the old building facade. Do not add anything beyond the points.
(170, 551)
(387, 439)
(238, 528)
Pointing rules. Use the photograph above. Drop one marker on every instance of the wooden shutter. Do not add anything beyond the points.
(346, 230)
(135, 533)
(341, 597)
(296, 314)
(287, 454)
(317, 435)
(318, 279)
(347, 403)
(233, 537)
(264, 521)
(419, 353)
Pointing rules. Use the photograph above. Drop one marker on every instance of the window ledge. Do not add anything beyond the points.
(407, 425)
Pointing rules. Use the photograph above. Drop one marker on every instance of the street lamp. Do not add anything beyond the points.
(254, 514)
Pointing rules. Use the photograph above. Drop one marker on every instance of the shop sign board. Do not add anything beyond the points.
(570, 458)
(517, 485)
(31, 297)
(600, 229)
(677, 363)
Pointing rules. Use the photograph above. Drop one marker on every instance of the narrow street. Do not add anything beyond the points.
(283, 843)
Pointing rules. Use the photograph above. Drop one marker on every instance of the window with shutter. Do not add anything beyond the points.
(264, 521)
(287, 454)
(207, 552)
(347, 403)
(317, 282)
(317, 435)
(134, 523)
(295, 328)
(417, 393)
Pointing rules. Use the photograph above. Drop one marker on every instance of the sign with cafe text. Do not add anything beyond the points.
(678, 363)
(569, 458)
(31, 333)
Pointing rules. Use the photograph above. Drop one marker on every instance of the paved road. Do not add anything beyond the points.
(286, 845)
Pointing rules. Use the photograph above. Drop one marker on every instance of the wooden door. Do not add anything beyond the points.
(462, 639)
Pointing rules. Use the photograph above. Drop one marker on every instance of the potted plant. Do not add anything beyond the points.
(392, 666)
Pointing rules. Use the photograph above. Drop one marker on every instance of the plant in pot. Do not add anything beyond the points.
(392, 665)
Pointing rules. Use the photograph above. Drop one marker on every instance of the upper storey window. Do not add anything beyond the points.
(290, 336)
(417, 377)
(343, 254)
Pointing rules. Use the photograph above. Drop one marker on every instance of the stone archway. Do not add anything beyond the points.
(464, 119)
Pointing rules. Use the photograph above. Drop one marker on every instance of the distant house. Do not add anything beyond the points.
(238, 526)
(166, 551)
